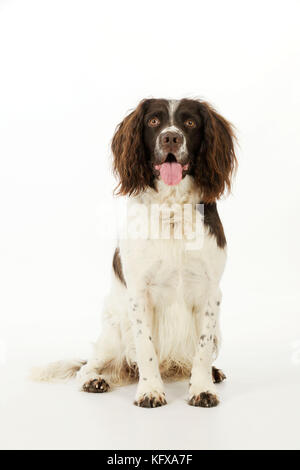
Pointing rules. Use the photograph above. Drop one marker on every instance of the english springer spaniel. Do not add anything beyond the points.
(161, 319)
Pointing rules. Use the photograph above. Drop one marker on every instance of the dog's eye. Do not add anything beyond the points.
(154, 122)
(190, 123)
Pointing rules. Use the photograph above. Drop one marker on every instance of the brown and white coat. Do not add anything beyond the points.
(161, 318)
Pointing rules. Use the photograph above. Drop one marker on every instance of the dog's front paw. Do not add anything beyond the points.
(95, 386)
(151, 400)
(204, 400)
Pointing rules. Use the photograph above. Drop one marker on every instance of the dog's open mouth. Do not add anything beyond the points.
(171, 171)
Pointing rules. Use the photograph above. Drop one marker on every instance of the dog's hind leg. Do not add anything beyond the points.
(90, 377)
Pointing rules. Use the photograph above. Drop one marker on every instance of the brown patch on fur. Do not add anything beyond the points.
(216, 161)
(132, 370)
(218, 375)
(174, 371)
(117, 266)
(213, 222)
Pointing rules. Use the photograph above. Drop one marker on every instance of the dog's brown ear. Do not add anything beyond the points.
(130, 161)
(216, 160)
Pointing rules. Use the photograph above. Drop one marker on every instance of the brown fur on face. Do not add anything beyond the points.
(216, 160)
(211, 150)
(130, 159)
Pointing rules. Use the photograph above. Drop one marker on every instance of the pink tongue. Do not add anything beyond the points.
(171, 173)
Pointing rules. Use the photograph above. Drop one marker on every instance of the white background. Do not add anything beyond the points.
(69, 72)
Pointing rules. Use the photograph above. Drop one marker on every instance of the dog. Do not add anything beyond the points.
(161, 318)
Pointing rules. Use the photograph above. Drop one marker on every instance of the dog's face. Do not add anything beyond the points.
(168, 139)
(172, 137)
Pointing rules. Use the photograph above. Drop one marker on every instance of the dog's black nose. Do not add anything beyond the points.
(170, 141)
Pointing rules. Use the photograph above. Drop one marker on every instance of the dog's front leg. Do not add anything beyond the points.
(202, 389)
(150, 391)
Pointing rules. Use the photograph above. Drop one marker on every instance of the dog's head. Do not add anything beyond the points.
(169, 139)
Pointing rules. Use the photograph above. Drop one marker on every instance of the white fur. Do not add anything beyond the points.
(173, 105)
(167, 318)
(62, 370)
(182, 152)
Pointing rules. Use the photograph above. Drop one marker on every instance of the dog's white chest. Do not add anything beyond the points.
(174, 274)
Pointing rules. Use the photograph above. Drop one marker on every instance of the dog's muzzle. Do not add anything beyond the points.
(170, 142)
(170, 153)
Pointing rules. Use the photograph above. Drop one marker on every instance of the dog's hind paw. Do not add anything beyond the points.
(218, 375)
(96, 386)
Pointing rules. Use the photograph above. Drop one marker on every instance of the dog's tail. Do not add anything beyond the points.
(62, 370)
